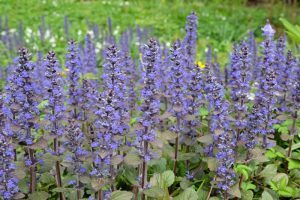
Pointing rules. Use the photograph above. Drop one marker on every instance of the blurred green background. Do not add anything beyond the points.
(221, 22)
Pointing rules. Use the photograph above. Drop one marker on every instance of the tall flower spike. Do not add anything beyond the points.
(8, 181)
(150, 106)
(294, 78)
(89, 56)
(20, 102)
(190, 39)
(176, 90)
(294, 84)
(253, 52)
(54, 93)
(73, 64)
(54, 110)
(268, 46)
(240, 84)
(129, 67)
(112, 114)
(265, 95)
(21, 109)
(224, 137)
(282, 72)
(194, 102)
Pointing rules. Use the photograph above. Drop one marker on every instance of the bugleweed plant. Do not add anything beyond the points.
(130, 118)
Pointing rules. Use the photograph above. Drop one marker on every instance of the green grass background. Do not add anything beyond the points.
(220, 22)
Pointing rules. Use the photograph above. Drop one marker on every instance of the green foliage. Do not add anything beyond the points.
(293, 31)
(121, 195)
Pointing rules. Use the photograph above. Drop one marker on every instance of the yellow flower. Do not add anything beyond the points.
(201, 65)
(64, 72)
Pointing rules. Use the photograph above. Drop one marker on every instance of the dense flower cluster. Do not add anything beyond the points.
(138, 117)
(240, 77)
(55, 109)
(112, 113)
(21, 100)
(265, 97)
(9, 183)
(149, 93)
(176, 89)
(224, 137)
(73, 64)
(89, 62)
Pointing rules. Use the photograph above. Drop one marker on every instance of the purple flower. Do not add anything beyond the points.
(224, 138)
(240, 77)
(112, 113)
(265, 99)
(190, 39)
(89, 62)
(73, 64)
(268, 31)
(8, 181)
(54, 93)
(20, 106)
(149, 95)
(74, 144)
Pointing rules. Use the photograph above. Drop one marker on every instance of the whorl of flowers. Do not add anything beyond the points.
(224, 137)
(54, 94)
(294, 80)
(38, 74)
(150, 106)
(73, 64)
(89, 62)
(240, 77)
(176, 89)
(265, 95)
(112, 112)
(8, 181)
(282, 72)
(190, 39)
(20, 104)
(87, 100)
(74, 144)
(125, 41)
(129, 67)
(268, 47)
(252, 49)
(254, 120)
(194, 102)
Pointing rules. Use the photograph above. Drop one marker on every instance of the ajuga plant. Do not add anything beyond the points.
(224, 138)
(294, 84)
(112, 116)
(73, 64)
(106, 134)
(149, 107)
(240, 77)
(252, 53)
(21, 111)
(9, 182)
(89, 61)
(55, 109)
(265, 95)
(177, 90)
(282, 72)
(74, 134)
(193, 83)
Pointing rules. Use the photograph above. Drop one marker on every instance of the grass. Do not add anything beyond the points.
(220, 22)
